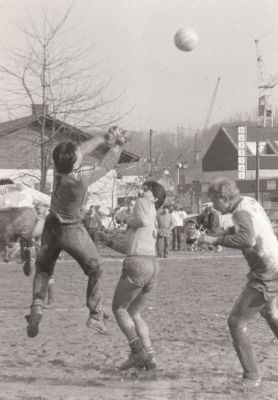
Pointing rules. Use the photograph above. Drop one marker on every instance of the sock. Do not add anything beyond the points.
(136, 345)
(150, 351)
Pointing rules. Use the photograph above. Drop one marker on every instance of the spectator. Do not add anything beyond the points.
(177, 218)
(210, 220)
(163, 232)
(93, 223)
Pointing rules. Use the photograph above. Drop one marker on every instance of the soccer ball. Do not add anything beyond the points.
(186, 39)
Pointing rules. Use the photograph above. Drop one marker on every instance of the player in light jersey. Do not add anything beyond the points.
(139, 274)
(253, 234)
(19, 218)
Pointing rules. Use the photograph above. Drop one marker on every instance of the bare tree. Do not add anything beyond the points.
(59, 76)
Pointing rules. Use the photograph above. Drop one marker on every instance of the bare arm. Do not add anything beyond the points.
(91, 144)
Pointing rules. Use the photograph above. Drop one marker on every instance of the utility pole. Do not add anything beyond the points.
(151, 144)
(257, 170)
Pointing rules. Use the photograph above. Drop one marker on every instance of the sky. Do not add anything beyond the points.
(163, 86)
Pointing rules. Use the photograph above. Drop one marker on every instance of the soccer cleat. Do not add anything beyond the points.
(97, 325)
(34, 320)
(141, 360)
(151, 362)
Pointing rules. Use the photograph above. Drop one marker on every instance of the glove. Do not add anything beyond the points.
(116, 136)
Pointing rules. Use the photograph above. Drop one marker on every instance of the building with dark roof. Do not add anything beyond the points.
(221, 159)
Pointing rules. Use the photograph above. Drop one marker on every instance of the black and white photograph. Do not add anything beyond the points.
(139, 199)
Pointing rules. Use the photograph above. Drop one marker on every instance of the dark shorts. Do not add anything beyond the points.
(268, 288)
(142, 271)
(17, 222)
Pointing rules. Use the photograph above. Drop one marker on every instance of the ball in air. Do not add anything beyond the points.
(186, 39)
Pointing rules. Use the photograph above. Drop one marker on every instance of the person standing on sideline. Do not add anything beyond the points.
(253, 234)
(139, 274)
(64, 228)
(177, 219)
(164, 228)
(210, 220)
(93, 223)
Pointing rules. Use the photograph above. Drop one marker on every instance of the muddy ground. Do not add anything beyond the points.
(187, 317)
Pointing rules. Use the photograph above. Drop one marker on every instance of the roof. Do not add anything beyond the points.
(64, 131)
(254, 133)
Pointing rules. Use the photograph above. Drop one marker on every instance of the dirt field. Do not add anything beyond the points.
(187, 317)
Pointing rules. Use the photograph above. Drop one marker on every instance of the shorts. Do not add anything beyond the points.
(142, 271)
(268, 288)
(17, 222)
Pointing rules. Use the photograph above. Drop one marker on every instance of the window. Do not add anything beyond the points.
(271, 184)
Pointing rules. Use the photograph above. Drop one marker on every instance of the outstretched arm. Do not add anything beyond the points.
(115, 136)
(243, 236)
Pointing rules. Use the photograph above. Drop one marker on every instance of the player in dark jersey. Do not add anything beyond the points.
(64, 228)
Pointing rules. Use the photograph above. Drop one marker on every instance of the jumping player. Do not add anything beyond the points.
(139, 274)
(64, 228)
(253, 234)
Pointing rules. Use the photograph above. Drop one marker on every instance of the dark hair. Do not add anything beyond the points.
(64, 157)
(6, 181)
(158, 192)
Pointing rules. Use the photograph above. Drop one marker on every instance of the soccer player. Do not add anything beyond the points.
(64, 228)
(139, 274)
(253, 234)
(18, 216)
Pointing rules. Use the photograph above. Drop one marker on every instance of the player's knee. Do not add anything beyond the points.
(236, 324)
(93, 269)
(118, 310)
(135, 315)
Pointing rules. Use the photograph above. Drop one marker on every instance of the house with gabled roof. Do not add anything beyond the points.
(222, 154)
(221, 159)
(20, 149)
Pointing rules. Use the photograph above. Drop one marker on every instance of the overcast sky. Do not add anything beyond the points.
(167, 87)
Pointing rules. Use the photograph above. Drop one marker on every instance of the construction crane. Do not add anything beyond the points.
(266, 83)
(211, 104)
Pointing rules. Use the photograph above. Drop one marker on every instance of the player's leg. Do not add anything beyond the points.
(142, 327)
(50, 292)
(270, 314)
(45, 262)
(30, 244)
(77, 242)
(138, 278)
(125, 293)
(27, 257)
(250, 302)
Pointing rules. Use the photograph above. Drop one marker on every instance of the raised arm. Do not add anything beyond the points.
(114, 136)
(91, 144)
